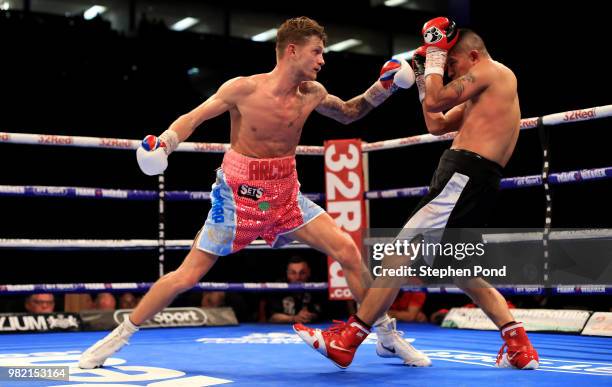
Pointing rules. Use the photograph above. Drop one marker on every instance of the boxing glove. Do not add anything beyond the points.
(418, 65)
(394, 74)
(440, 32)
(152, 154)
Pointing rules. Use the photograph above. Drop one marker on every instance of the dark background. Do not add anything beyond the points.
(63, 75)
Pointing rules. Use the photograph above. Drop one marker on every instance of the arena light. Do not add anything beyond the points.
(5, 6)
(193, 71)
(265, 36)
(344, 45)
(404, 55)
(184, 24)
(394, 3)
(94, 11)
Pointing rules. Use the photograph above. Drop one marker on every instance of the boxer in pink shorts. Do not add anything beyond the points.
(252, 198)
(257, 190)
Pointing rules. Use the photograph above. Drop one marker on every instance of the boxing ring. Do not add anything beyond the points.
(271, 355)
(249, 354)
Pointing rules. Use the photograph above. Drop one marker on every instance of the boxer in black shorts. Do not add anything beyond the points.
(481, 105)
(472, 180)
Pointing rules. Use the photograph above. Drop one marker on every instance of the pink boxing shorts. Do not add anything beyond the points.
(254, 198)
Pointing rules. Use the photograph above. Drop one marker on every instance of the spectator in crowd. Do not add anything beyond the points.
(213, 299)
(294, 307)
(40, 303)
(105, 301)
(128, 300)
(408, 306)
(76, 302)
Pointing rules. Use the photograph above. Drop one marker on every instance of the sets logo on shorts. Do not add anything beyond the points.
(247, 191)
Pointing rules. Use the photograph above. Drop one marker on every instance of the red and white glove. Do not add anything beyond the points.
(440, 35)
(152, 154)
(440, 32)
(395, 74)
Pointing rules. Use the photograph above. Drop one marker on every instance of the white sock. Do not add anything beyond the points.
(129, 325)
(382, 320)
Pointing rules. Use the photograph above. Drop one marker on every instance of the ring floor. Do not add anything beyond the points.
(272, 355)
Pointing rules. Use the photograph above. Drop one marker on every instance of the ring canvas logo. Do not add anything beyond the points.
(267, 338)
(169, 317)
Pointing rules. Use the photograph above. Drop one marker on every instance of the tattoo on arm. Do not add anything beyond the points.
(458, 84)
(345, 112)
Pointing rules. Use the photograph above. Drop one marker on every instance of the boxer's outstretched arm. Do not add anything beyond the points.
(395, 74)
(220, 102)
(344, 112)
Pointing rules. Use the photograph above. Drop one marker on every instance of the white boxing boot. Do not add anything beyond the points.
(96, 355)
(391, 344)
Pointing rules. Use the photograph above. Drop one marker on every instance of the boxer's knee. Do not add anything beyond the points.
(180, 280)
(348, 255)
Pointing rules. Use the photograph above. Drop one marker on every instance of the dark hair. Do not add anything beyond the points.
(469, 40)
(297, 31)
(296, 259)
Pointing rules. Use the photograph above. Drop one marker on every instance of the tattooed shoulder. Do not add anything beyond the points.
(313, 88)
(458, 85)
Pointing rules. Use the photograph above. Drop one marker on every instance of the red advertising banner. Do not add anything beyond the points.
(344, 192)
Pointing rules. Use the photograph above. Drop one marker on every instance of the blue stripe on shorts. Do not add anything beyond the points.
(219, 231)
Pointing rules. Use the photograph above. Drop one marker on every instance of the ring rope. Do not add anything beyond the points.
(118, 244)
(102, 193)
(184, 244)
(117, 143)
(144, 286)
(13, 289)
(548, 120)
(508, 183)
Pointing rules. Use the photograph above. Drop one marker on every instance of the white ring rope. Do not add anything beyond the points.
(118, 244)
(535, 236)
(146, 244)
(144, 286)
(184, 244)
(116, 143)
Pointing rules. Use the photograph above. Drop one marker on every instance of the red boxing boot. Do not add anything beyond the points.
(521, 353)
(338, 343)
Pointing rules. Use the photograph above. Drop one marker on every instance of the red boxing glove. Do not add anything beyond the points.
(418, 65)
(440, 32)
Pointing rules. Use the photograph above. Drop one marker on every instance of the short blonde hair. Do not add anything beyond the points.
(296, 31)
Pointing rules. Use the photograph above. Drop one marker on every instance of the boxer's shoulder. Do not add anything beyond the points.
(311, 87)
(242, 85)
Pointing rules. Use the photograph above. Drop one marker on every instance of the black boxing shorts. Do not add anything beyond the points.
(461, 196)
